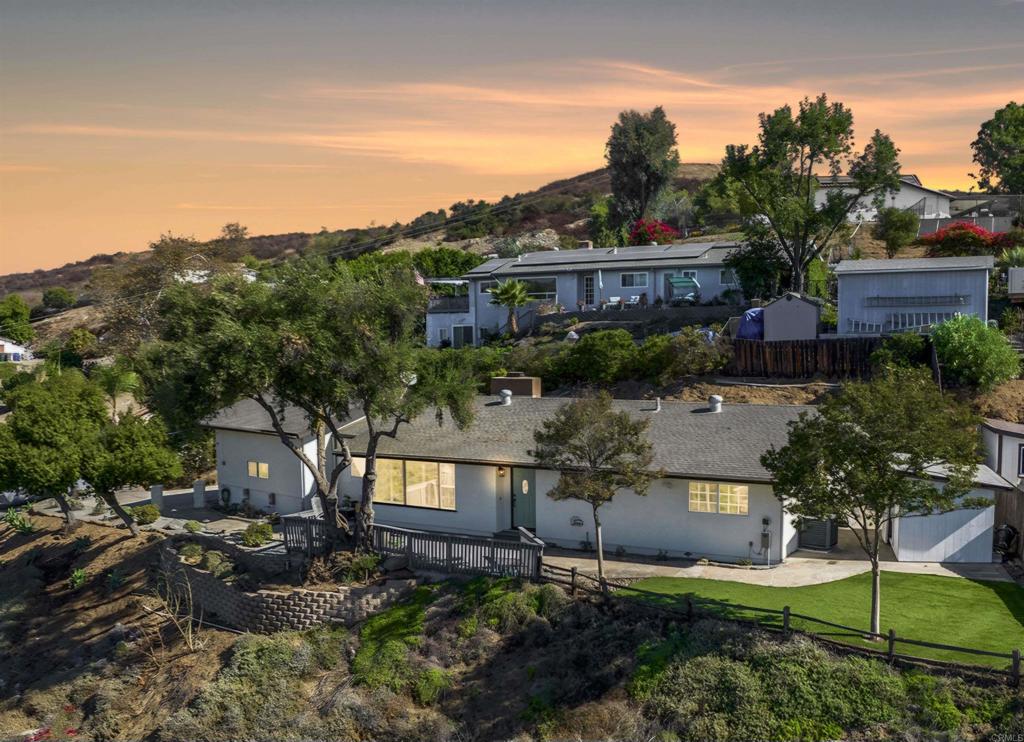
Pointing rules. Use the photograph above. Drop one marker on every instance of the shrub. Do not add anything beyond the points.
(191, 551)
(431, 685)
(382, 660)
(257, 534)
(16, 519)
(362, 566)
(973, 354)
(896, 228)
(80, 545)
(193, 526)
(144, 514)
(604, 356)
(903, 350)
(114, 581)
(829, 316)
(961, 238)
(1012, 321)
(217, 563)
(77, 579)
(693, 353)
(646, 231)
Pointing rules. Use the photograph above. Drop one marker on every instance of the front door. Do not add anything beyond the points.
(588, 290)
(524, 498)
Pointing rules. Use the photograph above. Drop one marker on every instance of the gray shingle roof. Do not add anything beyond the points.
(248, 416)
(688, 440)
(882, 265)
(605, 258)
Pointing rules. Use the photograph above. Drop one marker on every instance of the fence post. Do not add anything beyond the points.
(892, 644)
(785, 619)
(448, 553)
(1015, 668)
(573, 588)
(408, 550)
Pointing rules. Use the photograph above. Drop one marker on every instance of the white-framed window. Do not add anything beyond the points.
(486, 286)
(712, 497)
(726, 277)
(421, 484)
(259, 469)
(688, 274)
(633, 280)
(444, 334)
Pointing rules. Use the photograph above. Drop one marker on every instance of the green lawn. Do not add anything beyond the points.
(945, 610)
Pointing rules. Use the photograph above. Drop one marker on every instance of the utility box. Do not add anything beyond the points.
(820, 535)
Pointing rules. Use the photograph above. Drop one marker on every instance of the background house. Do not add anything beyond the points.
(12, 351)
(912, 195)
(910, 294)
(586, 278)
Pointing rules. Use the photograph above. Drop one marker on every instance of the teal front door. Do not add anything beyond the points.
(524, 498)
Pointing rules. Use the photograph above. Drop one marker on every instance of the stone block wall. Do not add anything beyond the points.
(266, 611)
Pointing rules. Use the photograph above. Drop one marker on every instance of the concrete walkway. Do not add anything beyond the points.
(798, 569)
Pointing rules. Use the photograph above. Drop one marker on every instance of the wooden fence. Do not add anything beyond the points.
(692, 606)
(846, 357)
(438, 552)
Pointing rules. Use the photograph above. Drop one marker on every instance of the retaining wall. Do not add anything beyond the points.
(266, 611)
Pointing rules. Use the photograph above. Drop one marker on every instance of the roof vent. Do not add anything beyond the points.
(615, 251)
(505, 395)
(585, 245)
(714, 403)
(653, 243)
(657, 404)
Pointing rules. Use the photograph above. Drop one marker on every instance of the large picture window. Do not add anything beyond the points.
(542, 289)
(422, 484)
(712, 497)
(634, 281)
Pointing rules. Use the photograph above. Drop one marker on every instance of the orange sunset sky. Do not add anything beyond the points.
(123, 120)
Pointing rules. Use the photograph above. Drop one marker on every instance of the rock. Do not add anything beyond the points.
(394, 563)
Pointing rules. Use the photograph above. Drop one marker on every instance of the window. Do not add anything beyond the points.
(444, 334)
(463, 336)
(633, 280)
(711, 497)
(486, 286)
(726, 277)
(422, 484)
(1020, 460)
(259, 469)
(542, 289)
(688, 274)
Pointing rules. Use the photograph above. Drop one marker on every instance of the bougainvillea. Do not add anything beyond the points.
(961, 238)
(646, 231)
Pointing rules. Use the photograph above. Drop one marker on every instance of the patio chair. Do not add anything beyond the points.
(634, 301)
(614, 302)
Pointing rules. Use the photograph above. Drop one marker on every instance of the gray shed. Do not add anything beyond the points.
(792, 317)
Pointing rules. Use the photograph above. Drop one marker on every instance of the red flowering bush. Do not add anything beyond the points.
(961, 238)
(646, 231)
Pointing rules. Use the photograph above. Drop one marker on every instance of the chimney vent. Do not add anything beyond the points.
(506, 397)
(714, 403)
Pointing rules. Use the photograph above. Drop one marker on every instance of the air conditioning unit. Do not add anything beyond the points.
(1016, 284)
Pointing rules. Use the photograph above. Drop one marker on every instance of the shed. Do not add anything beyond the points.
(792, 317)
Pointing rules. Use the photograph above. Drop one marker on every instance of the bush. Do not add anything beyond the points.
(144, 514)
(431, 686)
(1012, 321)
(16, 519)
(191, 551)
(904, 350)
(257, 534)
(114, 581)
(973, 354)
(896, 228)
(77, 579)
(217, 563)
(382, 660)
(961, 238)
(690, 353)
(604, 356)
(193, 526)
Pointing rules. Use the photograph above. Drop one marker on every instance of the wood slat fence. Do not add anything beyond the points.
(691, 606)
(846, 357)
(428, 550)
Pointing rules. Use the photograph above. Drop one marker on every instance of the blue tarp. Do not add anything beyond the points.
(752, 325)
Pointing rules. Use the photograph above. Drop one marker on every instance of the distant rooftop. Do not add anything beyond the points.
(606, 258)
(248, 416)
(838, 181)
(882, 265)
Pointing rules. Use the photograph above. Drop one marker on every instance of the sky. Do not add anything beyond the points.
(120, 121)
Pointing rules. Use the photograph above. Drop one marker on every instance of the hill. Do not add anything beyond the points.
(560, 206)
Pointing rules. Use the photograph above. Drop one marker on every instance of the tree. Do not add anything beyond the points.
(999, 150)
(316, 339)
(115, 380)
(597, 452)
(974, 354)
(14, 319)
(865, 457)
(779, 177)
(128, 452)
(511, 294)
(642, 159)
(896, 228)
(601, 227)
(602, 356)
(58, 298)
(41, 451)
(759, 267)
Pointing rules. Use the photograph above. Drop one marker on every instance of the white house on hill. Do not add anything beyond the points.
(912, 195)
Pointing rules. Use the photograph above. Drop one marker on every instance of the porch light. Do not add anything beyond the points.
(501, 471)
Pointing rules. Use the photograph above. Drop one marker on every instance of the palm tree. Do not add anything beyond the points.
(115, 380)
(511, 294)
(1012, 258)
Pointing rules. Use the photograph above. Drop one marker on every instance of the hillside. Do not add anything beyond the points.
(559, 205)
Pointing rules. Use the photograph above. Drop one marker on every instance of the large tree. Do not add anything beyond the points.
(597, 453)
(14, 319)
(642, 160)
(778, 178)
(869, 454)
(999, 151)
(511, 294)
(316, 339)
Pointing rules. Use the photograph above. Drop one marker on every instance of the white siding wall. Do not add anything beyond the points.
(856, 287)
(956, 536)
(287, 481)
(447, 320)
(1005, 463)
(936, 206)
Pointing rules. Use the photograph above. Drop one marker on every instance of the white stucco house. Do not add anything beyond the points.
(587, 278)
(910, 294)
(12, 351)
(912, 195)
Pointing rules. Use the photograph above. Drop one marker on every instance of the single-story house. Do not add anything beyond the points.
(791, 317)
(588, 278)
(910, 294)
(12, 351)
(911, 195)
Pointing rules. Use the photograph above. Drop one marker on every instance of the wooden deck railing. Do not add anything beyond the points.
(428, 550)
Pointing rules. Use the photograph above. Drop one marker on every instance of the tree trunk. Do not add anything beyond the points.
(65, 508)
(876, 597)
(798, 279)
(600, 548)
(111, 500)
(328, 500)
(364, 517)
(513, 321)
